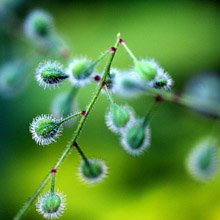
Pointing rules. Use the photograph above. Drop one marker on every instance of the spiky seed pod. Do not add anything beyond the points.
(12, 78)
(136, 138)
(95, 172)
(45, 129)
(203, 161)
(147, 69)
(63, 105)
(79, 71)
(163, 81)
(50, 73)
(38, 25)
(51, 205)
(111, 79)
(118, 117)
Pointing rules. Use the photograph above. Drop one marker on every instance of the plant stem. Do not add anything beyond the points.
(83, 157)
(129, 51)
(97, 60)
(210, 108)
(70, 117)
(75, 136)
(150, 113)
(108, 94)
(52, 183)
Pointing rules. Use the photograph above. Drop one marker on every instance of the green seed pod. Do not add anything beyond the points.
(146, 69)
(50, 73)
(51, 205)
(45, 129)
(93, 172)
(136, 137)
(118, 117)
(38, 25)
(79, 71)
(202, 162)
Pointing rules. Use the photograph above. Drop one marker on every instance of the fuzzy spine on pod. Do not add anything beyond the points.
(50, 73)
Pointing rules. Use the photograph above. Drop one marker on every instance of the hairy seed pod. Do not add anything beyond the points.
(45, 129)
(118, 117)
(38, 25)
(51, 205)
(93, 172)
(147, 69)
(79, 71)
(203, 161)
(50, 73)
(136, 138)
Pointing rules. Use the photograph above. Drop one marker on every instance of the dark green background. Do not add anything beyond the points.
(184, 37)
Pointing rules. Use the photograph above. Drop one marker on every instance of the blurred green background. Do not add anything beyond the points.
(184, 37)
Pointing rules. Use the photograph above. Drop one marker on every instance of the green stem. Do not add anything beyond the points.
(69, 117)
(76, 135)
(97, 60)
(52, 183)
(129, 51)
(108, 94)
(210, 108)
(83, 157)
(150, 113)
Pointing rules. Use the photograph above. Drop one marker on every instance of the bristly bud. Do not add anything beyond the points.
(63, 105)
(203, 161)
(93, 172)
(118, 117)
(51, 205)
(38, 25)
(136, 138)
(147, 69)
(45, 129)
(50, 73)
(79, 71)
(163, 81)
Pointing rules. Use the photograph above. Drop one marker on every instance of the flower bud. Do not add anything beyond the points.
(38, 25)
(146, 69)
(93, 172)
(51, 205)
(79, 71)
(202, 162)
(50, 73)
(45, 129)
(136, 138)
(118, 117)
